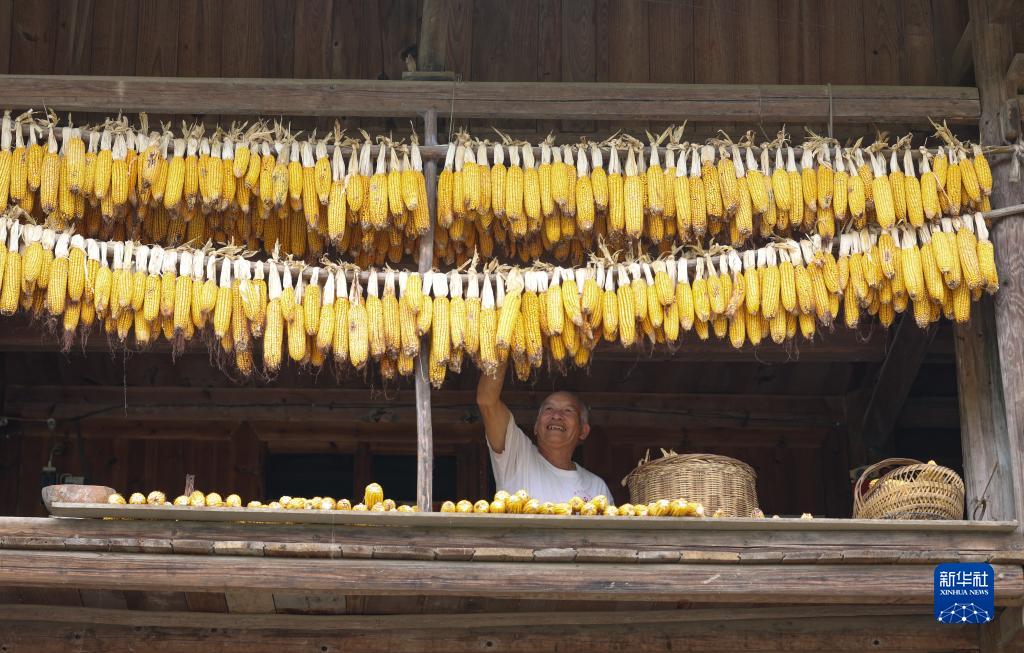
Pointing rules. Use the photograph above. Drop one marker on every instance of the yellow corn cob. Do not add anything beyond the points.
(805, 293)
(440, 334)
(358, 337)
(598, 179)
(298, 344)
(932, 276)
(509, 312)
(340, 341)
(626, 309)
(254, 169)
(912, 193)
(610, 309)
(825, 182)
(488, 330)
(239, 333)
(375, 318)
(969, 178)
(75, 155)
(513, 183)
(547, 201)
(866, 174)
(940, 165)
(76, 268)
(472, 320)
(377, 206)
(336, 212)
(982, 170)
(738, 329)
(967, 253)
(56, 289)
(713, 202)
(808, 179)
(953, 186)
(882, 193)
(780, 184)
(929, 189)
(639, 288)
(633, 204)
(897, 184)
(222, 309)
(840, 187)
(50, 177)
(498, 177)
(701, 299)
(18, 167)
(744, 218)
(410, 179)
(986, 255)
(531, 186)
(758, 185)
(584, 196)
(396, 203)
(175, 175)
(426, 313)
(787, 283)
(942, 247)
(796, 189)
(182, 297)
(616, 195)
(961, 297)
(655, 181)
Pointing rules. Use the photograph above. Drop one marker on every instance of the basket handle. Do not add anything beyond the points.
(858, 499)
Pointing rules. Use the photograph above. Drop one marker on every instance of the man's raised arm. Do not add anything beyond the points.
(494, 412)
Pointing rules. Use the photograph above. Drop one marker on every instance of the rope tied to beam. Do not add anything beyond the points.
(1017, 153)
(981, 503)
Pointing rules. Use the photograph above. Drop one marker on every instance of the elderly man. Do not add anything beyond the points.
(545, 470)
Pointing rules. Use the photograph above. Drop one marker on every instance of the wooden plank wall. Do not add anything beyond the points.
(666, 41)
(767, 41)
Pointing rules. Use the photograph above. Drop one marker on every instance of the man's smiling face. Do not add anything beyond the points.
(560, 422)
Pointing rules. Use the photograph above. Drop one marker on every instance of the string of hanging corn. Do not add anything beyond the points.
(684, 193)
(258, 185)
(531, 315)
(264, 187)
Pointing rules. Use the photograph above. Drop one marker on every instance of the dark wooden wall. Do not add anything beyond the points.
(711, 41)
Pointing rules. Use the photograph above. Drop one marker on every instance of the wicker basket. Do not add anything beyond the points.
(717, 482)
(913, 490)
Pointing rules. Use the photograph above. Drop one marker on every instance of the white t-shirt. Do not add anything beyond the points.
(522, 467)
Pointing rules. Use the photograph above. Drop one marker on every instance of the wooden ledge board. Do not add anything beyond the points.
(342, 623)
(505, 100)
(832, 584)
(484, 521)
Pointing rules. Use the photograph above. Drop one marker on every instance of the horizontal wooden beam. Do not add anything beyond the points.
(355, 622)
(830, 584)
(494, 100)
(891, 633)
(745, 629)
(608, 409)
(845, 541)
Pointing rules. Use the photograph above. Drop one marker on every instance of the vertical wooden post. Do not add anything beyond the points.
(431, 50)
(424, 425)
(990, 350)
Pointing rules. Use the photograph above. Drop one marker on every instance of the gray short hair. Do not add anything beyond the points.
(584, 409)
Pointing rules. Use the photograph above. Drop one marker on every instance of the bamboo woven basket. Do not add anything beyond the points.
(913, 490)
(719, 483)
